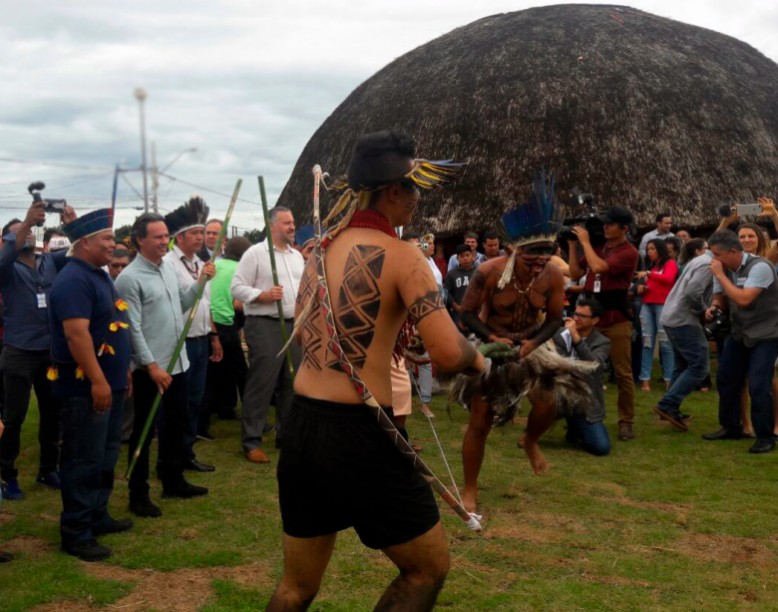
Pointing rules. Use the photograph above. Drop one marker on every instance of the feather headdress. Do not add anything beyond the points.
(424, 174)
(537, 220)
(193, 213)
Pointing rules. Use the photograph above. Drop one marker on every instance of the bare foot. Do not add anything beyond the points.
(645, 386)
(522, 439)
(536, 458)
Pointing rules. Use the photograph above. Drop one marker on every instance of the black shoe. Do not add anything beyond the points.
(674, 418)
(5, 557)
(762, 445)
(185, 490)
(195, 465)
(227, 416)
(90, 550)
(112, 526)
(205, 436)
(725, 433)
(268, 428)
(142, 506)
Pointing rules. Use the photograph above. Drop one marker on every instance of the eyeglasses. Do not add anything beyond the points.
(581, 315)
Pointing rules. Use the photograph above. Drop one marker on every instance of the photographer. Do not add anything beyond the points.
(747, 287)
(25, 283)
(609, 269)
(580, 340)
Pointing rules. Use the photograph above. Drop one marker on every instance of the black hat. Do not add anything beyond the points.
(617, 214)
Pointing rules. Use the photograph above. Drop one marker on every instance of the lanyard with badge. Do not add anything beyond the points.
(40, 295)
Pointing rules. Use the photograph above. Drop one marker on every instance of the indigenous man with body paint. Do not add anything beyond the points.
(337, 468)
(514, 291)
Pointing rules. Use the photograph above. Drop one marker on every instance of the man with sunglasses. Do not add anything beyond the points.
(513, 310)
(119, 261)
(580, 340)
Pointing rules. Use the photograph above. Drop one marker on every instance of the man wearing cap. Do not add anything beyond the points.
(253, 285)
(334, 450)
(609, 269)
(156, 302)
(26, 279)
(90, 346)
(186, 224)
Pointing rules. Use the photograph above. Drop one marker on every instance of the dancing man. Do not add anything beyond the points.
(513, 291)
(333, 448)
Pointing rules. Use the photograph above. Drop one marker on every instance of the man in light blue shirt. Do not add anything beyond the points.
(155, 303)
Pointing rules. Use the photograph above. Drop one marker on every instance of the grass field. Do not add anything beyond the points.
(667, 521)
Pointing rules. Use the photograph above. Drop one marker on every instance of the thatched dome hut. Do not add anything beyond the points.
(637, 109)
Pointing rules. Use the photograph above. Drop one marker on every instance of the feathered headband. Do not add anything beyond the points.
(193, 213)
(424, 174)
(537, 220)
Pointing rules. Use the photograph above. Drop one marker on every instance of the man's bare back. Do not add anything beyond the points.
(374, 282)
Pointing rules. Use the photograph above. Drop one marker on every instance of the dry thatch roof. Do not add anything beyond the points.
(638, 109)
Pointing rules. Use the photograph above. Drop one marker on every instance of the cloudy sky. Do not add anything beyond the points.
(246, 83)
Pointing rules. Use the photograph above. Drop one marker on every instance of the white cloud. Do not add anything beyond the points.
(247, 83)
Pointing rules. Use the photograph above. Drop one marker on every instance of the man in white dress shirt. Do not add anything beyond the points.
(253, 285)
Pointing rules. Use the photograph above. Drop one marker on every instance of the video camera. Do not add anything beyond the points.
(586, 215)
(52, 205)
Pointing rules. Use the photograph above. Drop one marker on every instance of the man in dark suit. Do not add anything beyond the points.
(580, 340)
(212, 230)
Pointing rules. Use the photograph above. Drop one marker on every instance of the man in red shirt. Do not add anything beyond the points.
(609, 270)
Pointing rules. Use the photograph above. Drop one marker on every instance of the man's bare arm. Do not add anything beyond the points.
(419, 292)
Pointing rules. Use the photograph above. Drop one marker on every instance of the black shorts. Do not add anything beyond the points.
(338, 469)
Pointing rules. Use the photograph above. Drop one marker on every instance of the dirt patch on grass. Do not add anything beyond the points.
(178, 591)
(727, 549)
(28, 545)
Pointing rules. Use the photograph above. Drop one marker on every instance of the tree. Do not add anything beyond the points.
(255, 236)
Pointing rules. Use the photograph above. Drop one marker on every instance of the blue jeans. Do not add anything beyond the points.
(690, 366)
(756, 365)
(197, 350)
(653, 331)
(90, 448)
(593, 436)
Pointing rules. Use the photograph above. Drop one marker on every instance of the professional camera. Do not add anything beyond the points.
(586, 215)
(718, 326)
(52, 205)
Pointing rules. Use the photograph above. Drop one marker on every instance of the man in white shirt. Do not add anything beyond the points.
(187, 224)
(664, 221)
(253, 285)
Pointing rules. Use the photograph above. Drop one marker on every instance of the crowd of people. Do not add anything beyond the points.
(93, 327)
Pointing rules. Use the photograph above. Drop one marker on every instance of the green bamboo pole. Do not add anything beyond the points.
(274, 270)
(187, 325)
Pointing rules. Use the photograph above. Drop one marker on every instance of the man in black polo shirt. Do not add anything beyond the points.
(90, 344)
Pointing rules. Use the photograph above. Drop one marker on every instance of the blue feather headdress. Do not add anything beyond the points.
(537, 220)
